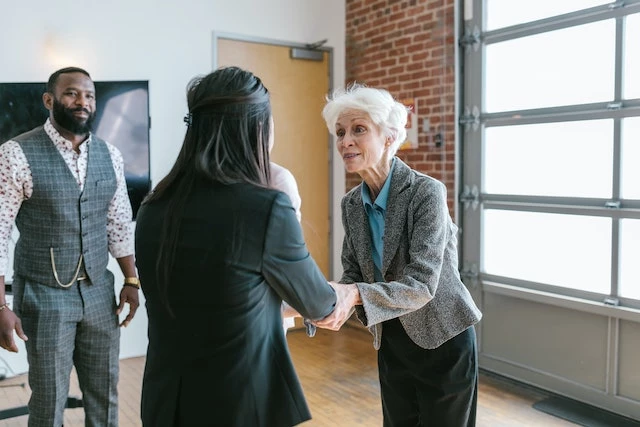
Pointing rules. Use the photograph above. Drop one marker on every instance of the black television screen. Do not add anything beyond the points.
(122, 119)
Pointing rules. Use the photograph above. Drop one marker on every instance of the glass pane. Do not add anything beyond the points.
(630, 155)
(632, 57)
(549, 248)
(629, 256)
(570, 159)
(503, 13)
(563, 67)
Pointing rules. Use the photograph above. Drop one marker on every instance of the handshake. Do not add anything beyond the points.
(347, 296)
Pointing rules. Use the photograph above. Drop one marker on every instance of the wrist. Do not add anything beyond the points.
(133, 282)
(355, 295)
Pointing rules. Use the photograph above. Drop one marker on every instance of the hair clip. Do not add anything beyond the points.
(188, 119)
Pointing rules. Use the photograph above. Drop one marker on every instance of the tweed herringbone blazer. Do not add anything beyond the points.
(422, 285)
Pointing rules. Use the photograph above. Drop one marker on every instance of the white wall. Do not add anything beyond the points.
(167, 43)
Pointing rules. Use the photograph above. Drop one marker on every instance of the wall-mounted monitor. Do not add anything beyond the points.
(122, 119)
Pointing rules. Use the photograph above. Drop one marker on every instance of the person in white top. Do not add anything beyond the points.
(282, 179)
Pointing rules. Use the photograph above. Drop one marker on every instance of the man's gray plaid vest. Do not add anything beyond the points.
(59, 222)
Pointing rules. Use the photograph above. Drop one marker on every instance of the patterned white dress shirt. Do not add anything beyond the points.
(16, 186)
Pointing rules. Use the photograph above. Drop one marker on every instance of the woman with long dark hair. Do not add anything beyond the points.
(217, 252)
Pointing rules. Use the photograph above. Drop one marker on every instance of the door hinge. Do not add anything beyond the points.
(470, 39)
(470, 196)
(470, 118)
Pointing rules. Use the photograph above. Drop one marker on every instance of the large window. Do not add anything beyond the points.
(632, 57)
(631, 158)
(571, 159)
(573, 65)
(549, 248)
(550, 192)
(558, 146)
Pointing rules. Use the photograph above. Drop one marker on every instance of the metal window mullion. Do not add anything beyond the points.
(471, 140)
(601, 110)
(469, 220)
(560, 298)
(617, 127)
(615, 225)
(563, 209)
(625, 205)
(630, 204)
(615, 257)
(594, 202)
(617, 158)
(587, 16)
(543, 287)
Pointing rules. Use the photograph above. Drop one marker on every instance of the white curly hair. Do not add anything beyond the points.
(387, 113)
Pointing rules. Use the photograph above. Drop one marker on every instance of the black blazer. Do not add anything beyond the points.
(223, 360)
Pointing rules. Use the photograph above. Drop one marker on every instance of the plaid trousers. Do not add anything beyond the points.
(70, 327)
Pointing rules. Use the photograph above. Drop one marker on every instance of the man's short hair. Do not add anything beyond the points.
(53, 79)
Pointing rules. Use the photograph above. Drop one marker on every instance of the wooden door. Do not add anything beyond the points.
(298, 89)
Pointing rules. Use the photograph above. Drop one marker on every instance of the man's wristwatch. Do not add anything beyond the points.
(134, 282)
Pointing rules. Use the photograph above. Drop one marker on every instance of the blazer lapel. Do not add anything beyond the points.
(396, 215)
(361, 236)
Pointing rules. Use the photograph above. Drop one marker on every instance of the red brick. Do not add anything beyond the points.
(414, 66)
(402, 42)
(387, 81)
(388, 62)
(409, 86)
(407, 47)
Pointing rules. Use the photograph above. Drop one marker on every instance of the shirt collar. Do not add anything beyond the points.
(60, 140)
(381, 200)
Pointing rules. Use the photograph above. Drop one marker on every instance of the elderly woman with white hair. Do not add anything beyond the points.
(400, 264)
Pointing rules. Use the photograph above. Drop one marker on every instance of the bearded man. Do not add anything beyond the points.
(65, 190)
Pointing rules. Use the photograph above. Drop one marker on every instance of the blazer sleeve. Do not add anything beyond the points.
(417, 281)
(289, 268)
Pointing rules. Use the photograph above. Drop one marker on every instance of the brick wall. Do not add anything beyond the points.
(407, 47)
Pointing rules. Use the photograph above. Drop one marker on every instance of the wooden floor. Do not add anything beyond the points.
(339, 376)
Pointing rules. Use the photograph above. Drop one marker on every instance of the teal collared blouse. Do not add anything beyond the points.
(375, 214)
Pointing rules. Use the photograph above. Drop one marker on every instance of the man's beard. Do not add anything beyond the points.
(64, 118)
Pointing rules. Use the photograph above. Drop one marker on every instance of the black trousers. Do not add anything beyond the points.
(419, 387)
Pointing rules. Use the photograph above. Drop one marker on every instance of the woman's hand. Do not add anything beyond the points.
(347, 297)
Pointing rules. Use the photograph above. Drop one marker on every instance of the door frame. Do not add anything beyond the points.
(217, 35)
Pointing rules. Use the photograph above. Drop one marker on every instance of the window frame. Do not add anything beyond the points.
(472, 140)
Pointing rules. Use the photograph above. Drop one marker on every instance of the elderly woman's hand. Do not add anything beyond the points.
(347, 297)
